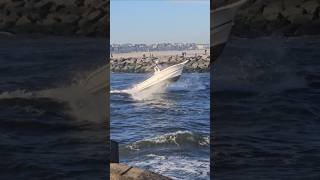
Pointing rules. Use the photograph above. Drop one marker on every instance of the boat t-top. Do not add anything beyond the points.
(166, 75)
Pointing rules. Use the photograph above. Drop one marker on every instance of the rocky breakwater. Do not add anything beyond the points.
(200, 63)
(124, 172)
(58, 17)
(278, 17)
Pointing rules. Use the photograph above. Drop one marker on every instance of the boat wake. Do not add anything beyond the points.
(148, 94)
(79, 103)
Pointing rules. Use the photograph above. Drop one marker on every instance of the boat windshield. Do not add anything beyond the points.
(157, 68)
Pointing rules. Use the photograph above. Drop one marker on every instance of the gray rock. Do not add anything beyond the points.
(24, 20)
(95, 15)
(50, 20)
(95, 3)
(14, 5)
(292, 3)
(310, 6)
(69, 18)
(5, 2)
(10, 20)
(44, 4)
(302, 19)
(199, 64)
(65, 2)
(292, 13)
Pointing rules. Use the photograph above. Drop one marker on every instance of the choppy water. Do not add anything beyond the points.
(166, 131)
(267, 109)
(49, 127)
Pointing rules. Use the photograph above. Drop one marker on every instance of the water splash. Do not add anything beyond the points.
(151, 93)
(171, 166)
(189, 82)
(82, 105)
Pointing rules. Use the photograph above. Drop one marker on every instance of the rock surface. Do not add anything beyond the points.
(278, 17)
(56, 17)
(90, 17)
(199, 63)
(123, 172)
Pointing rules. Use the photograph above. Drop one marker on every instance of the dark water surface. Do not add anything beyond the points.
(163, 131)
(267, 109)
(44, 133)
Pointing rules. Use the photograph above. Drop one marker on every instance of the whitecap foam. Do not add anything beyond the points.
(116, 91)
(21, 93)
(176, 167)
(83, 105)
(178, 138)
(189, 83)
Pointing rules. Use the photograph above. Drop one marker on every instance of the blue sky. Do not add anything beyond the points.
(156, 21)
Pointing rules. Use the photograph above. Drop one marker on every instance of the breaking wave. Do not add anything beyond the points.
(171, 166)
(179, 138)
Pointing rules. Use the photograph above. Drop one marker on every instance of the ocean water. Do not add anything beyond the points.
(50, 128)
(266, 106)
(165, 130)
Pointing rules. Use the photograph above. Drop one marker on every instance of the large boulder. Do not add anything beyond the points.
(272, 11)
(24, 20)
(292, 13)
(310, 6)
(9, 19)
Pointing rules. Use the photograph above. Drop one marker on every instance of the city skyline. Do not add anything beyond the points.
(160, 21)
(124, 48)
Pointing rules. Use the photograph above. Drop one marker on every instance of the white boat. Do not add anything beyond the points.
(222, 20)
(167, 75)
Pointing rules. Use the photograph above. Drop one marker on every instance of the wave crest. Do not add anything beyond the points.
(179, 138)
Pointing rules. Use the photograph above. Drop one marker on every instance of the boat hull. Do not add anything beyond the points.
(168, 75)
(97, 81)
(222, 20)
(174, 79)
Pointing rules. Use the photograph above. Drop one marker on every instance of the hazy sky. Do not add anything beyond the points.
(156, 21)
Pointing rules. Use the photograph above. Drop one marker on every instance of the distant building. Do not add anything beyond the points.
(124, 48)
(202, 46)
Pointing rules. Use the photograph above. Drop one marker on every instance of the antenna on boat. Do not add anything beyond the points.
(156, 67)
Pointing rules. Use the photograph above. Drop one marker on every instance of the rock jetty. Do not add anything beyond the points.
(199, 63)
(91, 17)
(278, 17)
(57, 17)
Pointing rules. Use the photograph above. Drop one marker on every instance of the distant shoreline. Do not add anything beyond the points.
(139, 54)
